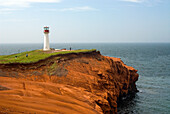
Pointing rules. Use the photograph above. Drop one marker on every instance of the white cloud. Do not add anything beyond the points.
(18, 20)
(6, 10)
(84, 8)
(136, 1)
(24, 3)
(143, 1)
(148, 3)
(7, 6)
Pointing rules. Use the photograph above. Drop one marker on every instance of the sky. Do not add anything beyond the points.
(85, 21)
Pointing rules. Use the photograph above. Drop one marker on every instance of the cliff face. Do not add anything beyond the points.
(75, 83)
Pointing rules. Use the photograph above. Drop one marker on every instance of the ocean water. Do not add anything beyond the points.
(152, 60)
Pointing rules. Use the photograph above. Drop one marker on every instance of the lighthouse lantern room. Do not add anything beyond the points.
(46, 39)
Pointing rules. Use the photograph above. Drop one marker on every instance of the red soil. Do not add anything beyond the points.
(77, 83)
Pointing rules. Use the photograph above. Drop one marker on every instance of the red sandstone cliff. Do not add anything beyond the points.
(76, 83)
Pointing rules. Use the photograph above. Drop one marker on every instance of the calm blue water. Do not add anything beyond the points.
(151, 60)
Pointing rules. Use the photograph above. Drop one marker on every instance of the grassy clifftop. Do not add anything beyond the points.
(35, 56)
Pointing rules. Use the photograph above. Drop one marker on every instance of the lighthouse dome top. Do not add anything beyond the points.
(46, 29)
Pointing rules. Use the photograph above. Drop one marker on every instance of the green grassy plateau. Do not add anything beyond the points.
(34, 56)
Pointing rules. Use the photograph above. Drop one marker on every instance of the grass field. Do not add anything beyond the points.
(34, 56)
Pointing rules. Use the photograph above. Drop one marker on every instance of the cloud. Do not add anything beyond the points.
(135, 1)
(143, 1)
(84, 8)
(148, 3)
(7, 6)
(6, 10)
(24, 3)
(18, 20)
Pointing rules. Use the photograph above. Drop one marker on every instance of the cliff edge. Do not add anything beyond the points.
(71, 83)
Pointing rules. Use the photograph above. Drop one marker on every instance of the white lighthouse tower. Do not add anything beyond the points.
(46, 39)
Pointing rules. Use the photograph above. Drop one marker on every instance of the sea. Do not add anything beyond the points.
(152, 60)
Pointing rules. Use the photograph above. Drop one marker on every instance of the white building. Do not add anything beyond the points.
(46, 39)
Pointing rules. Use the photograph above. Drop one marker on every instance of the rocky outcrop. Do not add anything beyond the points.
(77, 83)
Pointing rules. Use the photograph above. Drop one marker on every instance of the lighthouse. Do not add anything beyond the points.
(46, 39)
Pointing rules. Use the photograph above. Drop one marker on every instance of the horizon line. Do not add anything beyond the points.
(79, 42)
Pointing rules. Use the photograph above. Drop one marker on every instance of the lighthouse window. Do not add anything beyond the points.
(46, 28)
